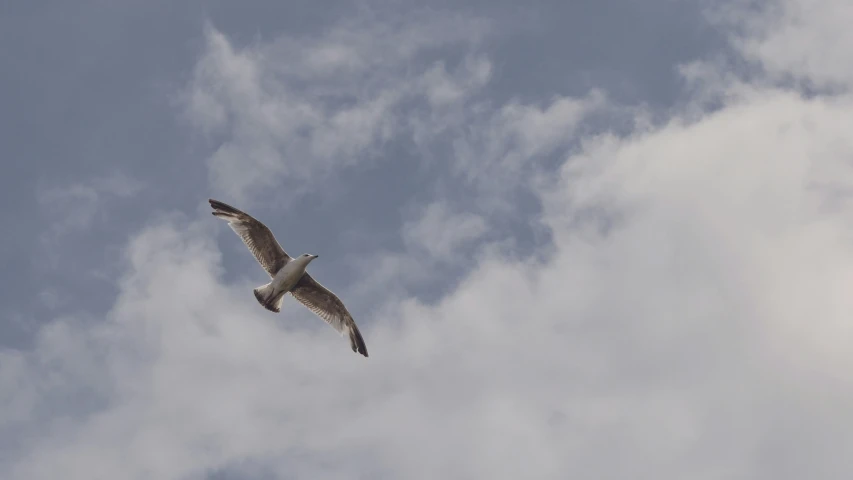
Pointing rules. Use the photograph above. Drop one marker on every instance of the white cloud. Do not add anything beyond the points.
(439, 243)
(291, 111)
(542, 130)
(687, 342)
(808, 40)
(440, 231)
(499, 150)
(703, 334)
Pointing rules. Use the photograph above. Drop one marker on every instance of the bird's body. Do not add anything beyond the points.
(283, 281)
(288, 275)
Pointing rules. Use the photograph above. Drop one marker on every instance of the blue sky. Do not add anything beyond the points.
(600, 239)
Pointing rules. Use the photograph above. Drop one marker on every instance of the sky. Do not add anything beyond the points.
(601, 239)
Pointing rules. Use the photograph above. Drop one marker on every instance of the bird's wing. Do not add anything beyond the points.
(255, 235)
(329, 307)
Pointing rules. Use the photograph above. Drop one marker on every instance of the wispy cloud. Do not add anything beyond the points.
(291, 111)
(793, 39)
(440, 231)
(74, 215)
(503, 149)
(704, 334)
(74, 207)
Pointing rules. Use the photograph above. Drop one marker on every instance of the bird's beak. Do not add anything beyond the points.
(315, 256)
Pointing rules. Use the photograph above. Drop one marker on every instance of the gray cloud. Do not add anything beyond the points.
(703, 334)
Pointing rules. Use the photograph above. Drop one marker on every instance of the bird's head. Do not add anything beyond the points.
(307, 257)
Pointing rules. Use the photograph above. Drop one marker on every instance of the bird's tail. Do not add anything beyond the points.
(269, 297)
(355, 340)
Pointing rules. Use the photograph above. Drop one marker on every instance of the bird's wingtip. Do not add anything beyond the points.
(356, 341)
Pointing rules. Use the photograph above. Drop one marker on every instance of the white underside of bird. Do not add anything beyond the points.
(283, 282)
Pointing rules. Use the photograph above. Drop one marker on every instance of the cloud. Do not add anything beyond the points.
(290, 112)
(444, 88)
(75, 206)
(691, 320)
(440, 231)
(71, 210)
(807, 40)
(291, 116)
(689, 340)
(507, 142)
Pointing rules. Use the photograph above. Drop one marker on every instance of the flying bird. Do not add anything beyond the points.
(288, 275)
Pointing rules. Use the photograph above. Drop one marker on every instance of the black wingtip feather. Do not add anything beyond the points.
(222, 206)
(356, 341)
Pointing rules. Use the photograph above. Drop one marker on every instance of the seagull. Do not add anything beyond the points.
(288, 275)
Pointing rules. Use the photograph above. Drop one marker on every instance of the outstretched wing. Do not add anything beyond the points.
(329, 307)
(255, 235)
